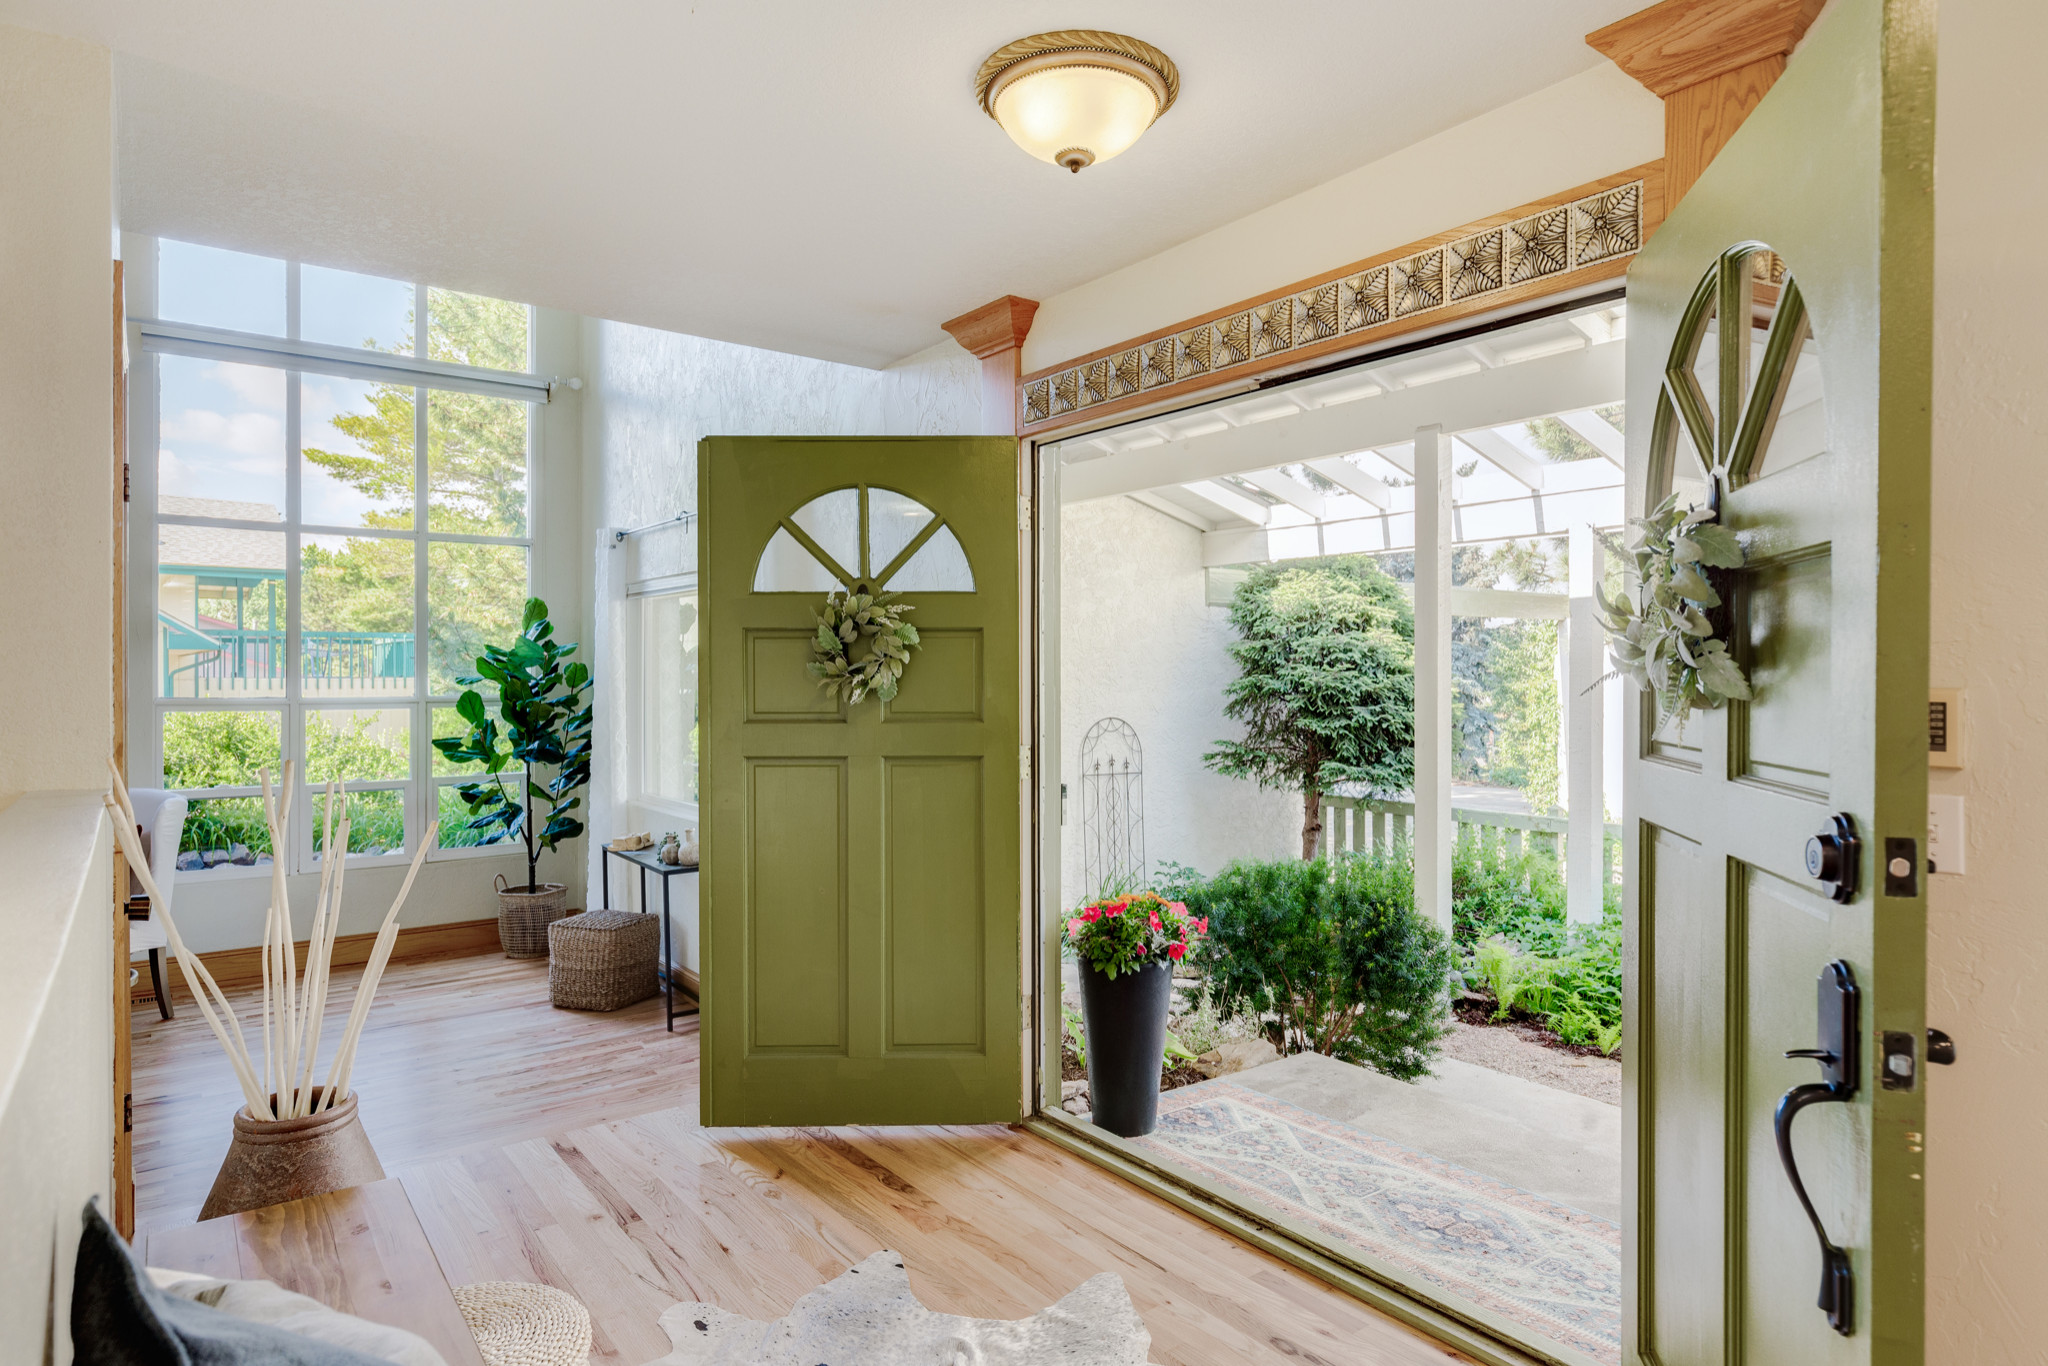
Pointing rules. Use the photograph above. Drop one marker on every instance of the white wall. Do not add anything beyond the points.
(1592, 125)
(648, 397)
(1987, 1184)
(57, 394)
(56, 563)
(1138, 641)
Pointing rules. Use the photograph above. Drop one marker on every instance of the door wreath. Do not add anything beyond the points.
(848, 617)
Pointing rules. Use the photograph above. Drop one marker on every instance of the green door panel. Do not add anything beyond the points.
(1779, 362)
(861, 897)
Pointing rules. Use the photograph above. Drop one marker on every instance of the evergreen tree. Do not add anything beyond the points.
(1326, 689)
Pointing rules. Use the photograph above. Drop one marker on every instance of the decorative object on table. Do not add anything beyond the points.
(649, 861)
(687, 850)
(626, 843)
(520, 1323)
(671, 851)
(603, 960)
(850, 617)
(123, 1314)
(546, 725)
(292, 1138)
(1669, 639)
(161, 816)
(869, 1316)
(1127, 946)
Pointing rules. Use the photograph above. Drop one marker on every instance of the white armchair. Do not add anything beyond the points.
(161, 818)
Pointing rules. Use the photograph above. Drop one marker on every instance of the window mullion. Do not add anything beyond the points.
(301, 854)
(426, 799)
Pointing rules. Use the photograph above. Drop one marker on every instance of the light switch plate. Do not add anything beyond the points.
(1947, 843)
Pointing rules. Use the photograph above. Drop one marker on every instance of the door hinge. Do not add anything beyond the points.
(1023, 512)
(128, 1113)
(1024, 762)
(124, 481)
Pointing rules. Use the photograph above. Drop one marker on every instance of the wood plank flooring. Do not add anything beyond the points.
(555, 1146)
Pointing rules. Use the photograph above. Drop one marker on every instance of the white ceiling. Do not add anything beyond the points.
(806, 175)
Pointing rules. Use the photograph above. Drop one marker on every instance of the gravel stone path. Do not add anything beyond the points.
(1519, 1052)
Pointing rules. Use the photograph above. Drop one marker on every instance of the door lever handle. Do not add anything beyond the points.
(1837, 1056)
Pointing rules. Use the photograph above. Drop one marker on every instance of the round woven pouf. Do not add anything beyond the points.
(520, 1324)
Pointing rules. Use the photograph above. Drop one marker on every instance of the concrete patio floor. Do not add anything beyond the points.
(1548, 1142)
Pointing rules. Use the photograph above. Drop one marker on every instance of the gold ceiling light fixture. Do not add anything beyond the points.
(1079, 96)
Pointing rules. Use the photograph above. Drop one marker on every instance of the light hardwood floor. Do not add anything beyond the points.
(555, 1146)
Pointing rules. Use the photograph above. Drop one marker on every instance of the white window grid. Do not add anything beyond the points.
(423, 787)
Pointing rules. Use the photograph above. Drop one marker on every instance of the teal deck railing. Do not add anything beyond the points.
(225, 660)
(1359, 824)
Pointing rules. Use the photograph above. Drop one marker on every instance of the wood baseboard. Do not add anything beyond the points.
(239, 967)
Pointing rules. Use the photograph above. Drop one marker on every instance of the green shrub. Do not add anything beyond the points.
(1335, 951)
(1508, 916)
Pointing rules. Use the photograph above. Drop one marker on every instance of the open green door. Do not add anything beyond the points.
(1779, 332)
(860, 900)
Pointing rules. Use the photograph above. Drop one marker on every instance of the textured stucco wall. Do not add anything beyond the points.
(1987, 1185)
(648, 397)
(1138, 641)
(57, 395)
(1592, 125)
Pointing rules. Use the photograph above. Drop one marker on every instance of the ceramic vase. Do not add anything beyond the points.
(271, 1161)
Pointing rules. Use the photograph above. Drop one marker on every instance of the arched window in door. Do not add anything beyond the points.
(863, 539)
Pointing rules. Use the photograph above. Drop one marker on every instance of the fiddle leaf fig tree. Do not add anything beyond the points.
(543, 722)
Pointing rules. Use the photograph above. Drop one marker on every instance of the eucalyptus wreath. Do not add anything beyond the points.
(1665, 640)
(846, 618)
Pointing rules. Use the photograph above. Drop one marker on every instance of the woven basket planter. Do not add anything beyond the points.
(524, 917)
(603, 960)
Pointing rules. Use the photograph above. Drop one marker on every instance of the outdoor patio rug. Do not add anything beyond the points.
(1555, 1270)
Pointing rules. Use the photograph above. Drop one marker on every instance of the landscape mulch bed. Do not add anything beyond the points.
(1479, 1014)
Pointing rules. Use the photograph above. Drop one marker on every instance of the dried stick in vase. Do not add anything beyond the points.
(380, 954)
(320, 952)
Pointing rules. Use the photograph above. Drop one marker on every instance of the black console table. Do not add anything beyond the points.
(648, 862)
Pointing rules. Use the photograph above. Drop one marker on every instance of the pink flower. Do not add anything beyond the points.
(1141, 948)
(1115, 908)
(1202, 925)
(1176, 950)
(1092, 914)
(1156, 923)
(1074, 926)
(1177, 907)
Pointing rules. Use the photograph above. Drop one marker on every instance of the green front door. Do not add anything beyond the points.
(1778, 331)
(861, 899)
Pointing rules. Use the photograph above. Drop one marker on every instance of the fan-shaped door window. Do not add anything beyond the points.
(863, 539)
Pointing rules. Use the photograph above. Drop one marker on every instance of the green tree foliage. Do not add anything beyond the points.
(1333, 951)
(1326, 683)
(476, 485)
(1523, 678)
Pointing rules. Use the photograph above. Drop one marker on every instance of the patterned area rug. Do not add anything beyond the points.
(1555, 1270)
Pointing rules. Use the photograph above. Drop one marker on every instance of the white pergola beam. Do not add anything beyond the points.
(1499, 603)
(1174, 510)
(1401, 457)
(1354, 480)
(1497, 451)
(1585, 847)
(1226, 500)
(1572, 382)
(1597, 431)
(1289, 490)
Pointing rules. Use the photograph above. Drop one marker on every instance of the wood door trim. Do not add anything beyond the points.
(1473, 268)
(1681, 43)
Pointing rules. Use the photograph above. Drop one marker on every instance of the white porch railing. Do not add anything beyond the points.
(1360, 824)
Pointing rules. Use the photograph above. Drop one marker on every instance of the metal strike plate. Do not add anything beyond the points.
(1899, 1069)
(1901, 867)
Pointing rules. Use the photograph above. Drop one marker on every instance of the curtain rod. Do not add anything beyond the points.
(619, 537)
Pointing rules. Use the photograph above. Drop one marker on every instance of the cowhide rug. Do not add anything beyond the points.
(869, 1317)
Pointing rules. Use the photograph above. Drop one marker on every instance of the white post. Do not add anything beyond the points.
(1433, 828)
(1585, 857)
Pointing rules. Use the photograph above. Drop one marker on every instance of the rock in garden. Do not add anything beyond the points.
(215, 857)
(191, 861)
(1236, 1055)
(1070, 1089)
(240, 854)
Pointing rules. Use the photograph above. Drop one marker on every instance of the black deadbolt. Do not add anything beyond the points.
(1833, 856)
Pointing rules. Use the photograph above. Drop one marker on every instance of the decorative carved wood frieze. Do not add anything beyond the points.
(1586, 235)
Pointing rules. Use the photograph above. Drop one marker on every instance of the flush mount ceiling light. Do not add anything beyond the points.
(1079, 96)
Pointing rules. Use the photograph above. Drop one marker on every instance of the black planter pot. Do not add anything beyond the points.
(1126, 1023)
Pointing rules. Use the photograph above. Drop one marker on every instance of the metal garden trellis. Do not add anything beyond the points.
(1112, 806)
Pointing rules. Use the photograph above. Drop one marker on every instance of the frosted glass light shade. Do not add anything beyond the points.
(1075, 116)
(1077, 96)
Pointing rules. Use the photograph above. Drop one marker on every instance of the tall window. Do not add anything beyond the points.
(667, 707)
(340, 482)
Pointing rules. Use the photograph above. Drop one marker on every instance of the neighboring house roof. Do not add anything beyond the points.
(216, 546)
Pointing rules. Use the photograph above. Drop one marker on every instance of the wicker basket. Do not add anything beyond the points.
(603, 960)
(524, 917)
(516, 1323)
